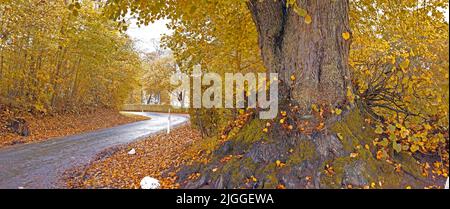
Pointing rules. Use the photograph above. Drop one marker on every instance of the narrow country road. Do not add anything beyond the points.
(40, 165)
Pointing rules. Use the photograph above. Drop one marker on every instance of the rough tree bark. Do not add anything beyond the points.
(316, 53)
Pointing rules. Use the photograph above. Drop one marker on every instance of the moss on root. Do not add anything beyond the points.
(244, 137)
(373, 171)
(409, 164)
(354, 130)
(355, 135)
(304, 151)
(250, 133)
(268, 175)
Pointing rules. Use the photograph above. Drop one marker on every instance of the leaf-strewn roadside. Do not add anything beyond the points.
(42, 128)
(115, 168)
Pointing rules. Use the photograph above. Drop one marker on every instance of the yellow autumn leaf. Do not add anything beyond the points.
(353, 155)
(350, 96)
(314, 108)
(404, 132)
(397, 147)
(414, 148)
(293, 78)
(346, 35)
(379, 130)
(308, 19)
(405, 64)
(301, 12)
(379, 155)
(279, 164)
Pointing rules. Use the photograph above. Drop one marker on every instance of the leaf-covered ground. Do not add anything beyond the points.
(46, 127)
(155, 157)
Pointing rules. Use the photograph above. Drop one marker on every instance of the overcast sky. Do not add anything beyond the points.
(144, 36)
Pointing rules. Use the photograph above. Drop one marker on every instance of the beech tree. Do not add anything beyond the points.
(63, 56)
(156, 80)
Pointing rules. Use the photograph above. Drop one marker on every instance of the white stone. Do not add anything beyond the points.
(446, 184)
(149, 183)
(132, 152)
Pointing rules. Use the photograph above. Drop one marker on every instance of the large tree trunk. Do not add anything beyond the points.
(316, 53)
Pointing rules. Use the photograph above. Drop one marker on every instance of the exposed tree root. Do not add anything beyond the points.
(339, 156)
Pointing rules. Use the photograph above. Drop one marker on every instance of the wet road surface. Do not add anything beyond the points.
(40, 165)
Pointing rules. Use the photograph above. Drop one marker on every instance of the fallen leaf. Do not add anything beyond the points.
(308, 19)
(346, 35)
(353, 155)
(339, 135)
(293, 78)
(379, 155)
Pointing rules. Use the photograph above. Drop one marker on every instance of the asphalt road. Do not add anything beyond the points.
(40, 165)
